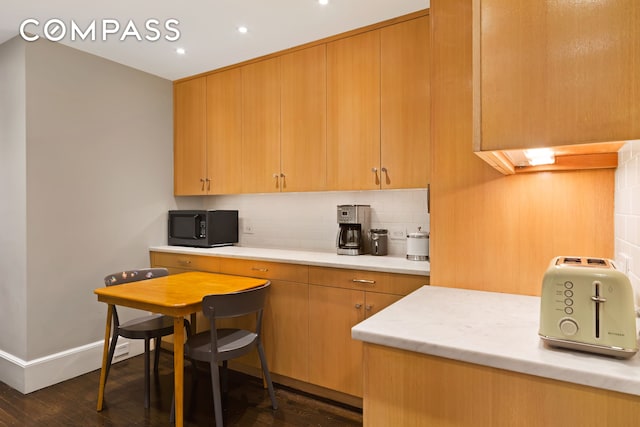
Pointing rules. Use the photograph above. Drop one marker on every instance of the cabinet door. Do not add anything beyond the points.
(555, 73)
(353, 112)
(286, 329)
(335, 359)
(303, 145)
(224, 132)
(375, 301)
(261, 126)
(189, 142)
(405, 104)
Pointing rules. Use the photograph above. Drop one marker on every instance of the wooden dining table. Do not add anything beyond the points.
(177, 295)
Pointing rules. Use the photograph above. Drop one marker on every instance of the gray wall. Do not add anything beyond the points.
(13, 204)
(85, 183)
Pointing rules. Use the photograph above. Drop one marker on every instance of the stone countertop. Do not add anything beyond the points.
(491, 329)
(389, 264)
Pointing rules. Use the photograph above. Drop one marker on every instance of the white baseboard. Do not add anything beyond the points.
(32, 375)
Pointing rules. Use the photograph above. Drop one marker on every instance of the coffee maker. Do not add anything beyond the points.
(353, 229)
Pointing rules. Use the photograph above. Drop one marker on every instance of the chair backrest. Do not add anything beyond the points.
(134, 275)
(131, 276)
(235, 304)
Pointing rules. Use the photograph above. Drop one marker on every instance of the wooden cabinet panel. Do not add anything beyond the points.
(335, 359)
(189, 147)
(186, 262)
(555, 73)
(353, 112)
(303, 142)
(261, 126)
(286, 329)
(265, 270)
(375, 301)
(224, 132)
(399, 284)
(405, 104)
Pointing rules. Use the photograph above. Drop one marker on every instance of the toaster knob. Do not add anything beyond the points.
(568, 327)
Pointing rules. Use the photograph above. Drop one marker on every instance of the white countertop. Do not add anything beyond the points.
(491, 329)
(389, 264)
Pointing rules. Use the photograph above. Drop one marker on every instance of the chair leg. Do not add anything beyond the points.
(217, 398)
(156, 354)
(112, 350)
(147, 382)
(267, 375)
(225, 377)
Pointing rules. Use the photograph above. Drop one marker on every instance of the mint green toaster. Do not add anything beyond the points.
(587, 304)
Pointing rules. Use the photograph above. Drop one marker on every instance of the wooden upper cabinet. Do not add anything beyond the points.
(261, 126)
(353, 112)
(189, 147)
(224, 132)
(405, 104)
(303, 107)
(553, 73)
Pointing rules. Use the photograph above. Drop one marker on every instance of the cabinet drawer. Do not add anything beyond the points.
(399, 284)
(187, 262)
(265, 270)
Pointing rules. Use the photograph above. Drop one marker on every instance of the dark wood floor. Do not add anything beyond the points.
(73, 403)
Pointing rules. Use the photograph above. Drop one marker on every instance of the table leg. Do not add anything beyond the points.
(178, 367)
(105, 353)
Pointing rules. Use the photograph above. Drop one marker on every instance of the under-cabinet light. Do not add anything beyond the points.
(540, 156)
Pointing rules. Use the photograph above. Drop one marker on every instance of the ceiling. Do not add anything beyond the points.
(207, 28)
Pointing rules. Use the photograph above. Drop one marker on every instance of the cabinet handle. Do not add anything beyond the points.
(375, 171)
(184, 261)
(368, 282)
(368, 307)
(358, 306)
(262, 269)
(208, 181)
(202, 181)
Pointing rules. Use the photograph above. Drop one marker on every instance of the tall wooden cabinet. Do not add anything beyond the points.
(379, 108)
(207, 127)
(224, 132)
(190, 137)
(303, 109)
(405, 104)
(353, 112)
(261, 126)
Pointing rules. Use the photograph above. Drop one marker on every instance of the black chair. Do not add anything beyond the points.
(147, 327)
(220, 345)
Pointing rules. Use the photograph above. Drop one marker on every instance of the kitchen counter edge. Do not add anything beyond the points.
(490, 329)
(387, 264)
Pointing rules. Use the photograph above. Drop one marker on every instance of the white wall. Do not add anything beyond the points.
(307, 221)
(627, 212)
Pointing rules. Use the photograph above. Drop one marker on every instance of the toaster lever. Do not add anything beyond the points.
(598, 298)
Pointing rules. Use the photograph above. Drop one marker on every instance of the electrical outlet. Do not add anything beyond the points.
(247, 228)
(625, 261)
(121, 350)
(397, 233)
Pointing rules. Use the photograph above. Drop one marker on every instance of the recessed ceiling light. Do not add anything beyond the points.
(242, 29)
(323, 2)
(180, 51)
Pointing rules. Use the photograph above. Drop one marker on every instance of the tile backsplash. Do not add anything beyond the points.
(627, 212)
(307, 221)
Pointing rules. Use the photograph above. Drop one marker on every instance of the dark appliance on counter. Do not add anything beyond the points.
(202, 229)
(353, 229)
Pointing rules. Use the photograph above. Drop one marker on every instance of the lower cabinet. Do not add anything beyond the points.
(338, 300)
(308, 317)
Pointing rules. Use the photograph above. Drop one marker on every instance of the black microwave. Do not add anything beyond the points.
(203, 229)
